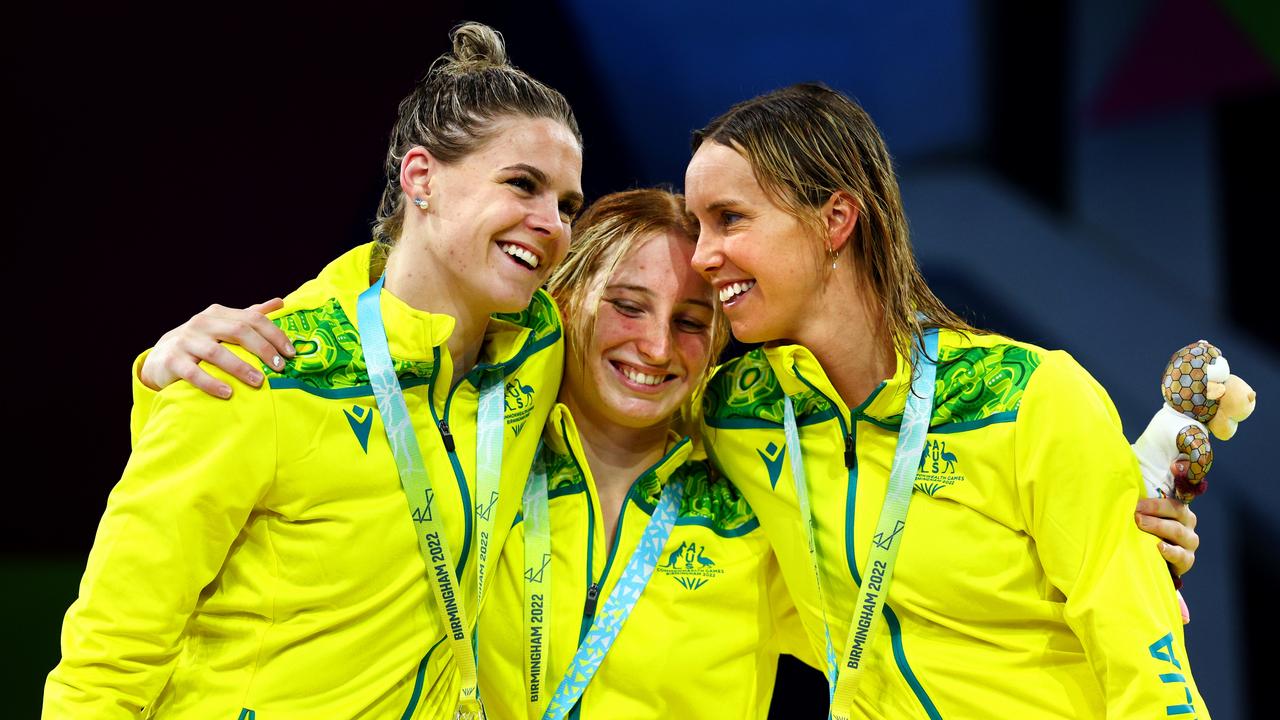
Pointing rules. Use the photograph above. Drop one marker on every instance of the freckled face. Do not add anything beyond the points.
(764, 264)
(499, 217)
(652, 337)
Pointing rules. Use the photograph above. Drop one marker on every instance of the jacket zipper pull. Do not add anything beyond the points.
(850, 457)
(593, 593)
(446, 436)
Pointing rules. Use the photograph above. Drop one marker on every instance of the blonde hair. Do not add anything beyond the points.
(807, 142)
(451, 112)
(605, 235)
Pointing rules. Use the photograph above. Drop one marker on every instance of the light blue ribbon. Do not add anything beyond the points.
(537, 584)
(432, 539)
(882, 556)
(608, 621)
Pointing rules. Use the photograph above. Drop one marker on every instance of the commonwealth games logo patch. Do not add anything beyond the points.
(517, 402)
(690, 566)
(939, 468)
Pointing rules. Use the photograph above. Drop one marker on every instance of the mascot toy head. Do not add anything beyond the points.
(1198, 383)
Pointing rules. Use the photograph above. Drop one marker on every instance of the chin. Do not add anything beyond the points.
(642, 415)
(511, 302)
(750, 333)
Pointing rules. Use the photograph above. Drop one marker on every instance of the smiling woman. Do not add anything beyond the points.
(950, 552)
(630, 547)
(318, 546)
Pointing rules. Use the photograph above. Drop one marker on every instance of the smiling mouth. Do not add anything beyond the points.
(520, 255)
(642, 378)
(731, 292)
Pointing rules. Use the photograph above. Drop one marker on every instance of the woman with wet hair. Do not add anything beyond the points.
(952, 509)
(318, 546)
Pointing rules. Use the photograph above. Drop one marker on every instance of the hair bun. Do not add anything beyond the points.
(478, 45)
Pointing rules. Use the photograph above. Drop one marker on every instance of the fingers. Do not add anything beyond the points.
(251, 336)
(179, 352)
(256, 317)
(191, 372)
(248, 329)
(1179, 540)
(266, 307)
(218, 355)
(1180, 558)
(1168, 507)
(1171, 531)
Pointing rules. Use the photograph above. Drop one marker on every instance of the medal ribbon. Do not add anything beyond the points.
(616, 608)
(432, 540)
(883, 554)
(537, 584)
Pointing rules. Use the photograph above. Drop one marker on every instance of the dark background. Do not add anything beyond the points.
(1090, 175)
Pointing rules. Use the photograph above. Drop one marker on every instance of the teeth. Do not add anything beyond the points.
(519, 252)
(642, 378)
(733, 289)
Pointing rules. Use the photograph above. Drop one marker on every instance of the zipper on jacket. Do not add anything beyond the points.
(589, 607)
(446, 436)
(850, 454)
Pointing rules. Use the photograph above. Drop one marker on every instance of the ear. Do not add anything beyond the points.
(840, 215)
(416, 172)
(1215, 390)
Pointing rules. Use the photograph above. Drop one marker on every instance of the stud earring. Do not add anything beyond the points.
(421, 203)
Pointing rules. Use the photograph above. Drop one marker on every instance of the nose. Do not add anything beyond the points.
(707, 254)
(655, 342)
(544, 218)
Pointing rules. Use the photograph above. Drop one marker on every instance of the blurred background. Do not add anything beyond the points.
(1096, 175)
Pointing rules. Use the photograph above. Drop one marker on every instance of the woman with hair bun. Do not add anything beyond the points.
(258, 557)
(952, 510)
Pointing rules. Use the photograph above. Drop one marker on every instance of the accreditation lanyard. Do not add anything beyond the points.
(843, 680)
(432, 541)
(608, 620)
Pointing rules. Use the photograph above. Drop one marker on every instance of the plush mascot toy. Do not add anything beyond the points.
(1201, 396)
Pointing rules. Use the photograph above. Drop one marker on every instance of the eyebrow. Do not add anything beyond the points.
(646, 291)
(721, 204)
(536, 173)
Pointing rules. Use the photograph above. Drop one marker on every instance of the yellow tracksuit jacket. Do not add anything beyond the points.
(1023, 589)
(703, 639)
(257, 559)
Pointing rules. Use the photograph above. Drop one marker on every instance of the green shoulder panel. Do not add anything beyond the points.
(710, 500)
(745, 393)
(980, 384)
(329, 355)
(563, 474)
(540, 317)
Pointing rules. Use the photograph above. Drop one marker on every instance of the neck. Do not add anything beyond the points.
(419, 287)
(853, 346)
(615, 454)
